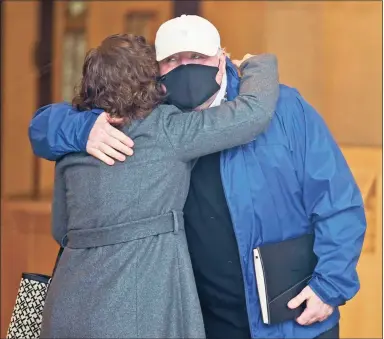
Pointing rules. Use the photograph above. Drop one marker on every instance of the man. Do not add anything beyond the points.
(290, 180)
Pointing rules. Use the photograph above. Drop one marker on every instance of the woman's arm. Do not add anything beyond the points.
(194, 134)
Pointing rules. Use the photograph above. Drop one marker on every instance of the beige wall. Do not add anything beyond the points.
(240, 24)
(19, 95)
(353, 71)
(104, 18)
(107, 17)
(292, 31)
(330, 51)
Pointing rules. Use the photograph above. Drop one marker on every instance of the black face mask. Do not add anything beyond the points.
(189, 86)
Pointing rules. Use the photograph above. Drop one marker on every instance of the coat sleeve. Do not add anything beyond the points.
(194, 134)
(333, 203)
(59, 206)
(58, 129)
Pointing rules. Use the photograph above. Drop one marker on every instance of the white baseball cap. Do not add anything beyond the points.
(187, 33)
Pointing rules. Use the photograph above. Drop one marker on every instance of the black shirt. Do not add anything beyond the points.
(214, 253)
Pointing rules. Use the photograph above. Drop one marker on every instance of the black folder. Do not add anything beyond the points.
(282, 271)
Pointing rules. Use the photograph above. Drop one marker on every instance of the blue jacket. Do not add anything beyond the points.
(291, 180)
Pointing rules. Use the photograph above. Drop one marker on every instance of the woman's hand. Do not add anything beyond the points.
(239, 62)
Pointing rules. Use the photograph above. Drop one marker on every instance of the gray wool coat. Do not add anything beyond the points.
(126, 271)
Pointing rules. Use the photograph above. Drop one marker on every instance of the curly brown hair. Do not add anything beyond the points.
(120, 77)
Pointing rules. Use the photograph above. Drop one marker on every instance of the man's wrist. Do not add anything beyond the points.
(318, 286)
(87, 125)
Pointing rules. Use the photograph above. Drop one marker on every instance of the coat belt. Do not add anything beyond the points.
(121, 233)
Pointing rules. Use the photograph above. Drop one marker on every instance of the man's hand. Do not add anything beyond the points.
(105, 142)
(315, 311)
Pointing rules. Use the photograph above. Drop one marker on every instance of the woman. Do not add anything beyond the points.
(125, 271)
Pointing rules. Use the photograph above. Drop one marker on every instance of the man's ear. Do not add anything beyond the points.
(222, 62)
(221, 72)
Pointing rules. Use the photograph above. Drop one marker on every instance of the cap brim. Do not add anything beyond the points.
(208, 51)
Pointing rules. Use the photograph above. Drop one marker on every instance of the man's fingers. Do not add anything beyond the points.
(311, 321)
(314, 313)
(109, 151)
(326, 314)
(101, 156)
(115, 133)
(106, 139)
(298, 300)
(316, 309)
(118, 145)
(305, 317)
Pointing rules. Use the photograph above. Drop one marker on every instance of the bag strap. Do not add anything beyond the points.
(61, 250)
